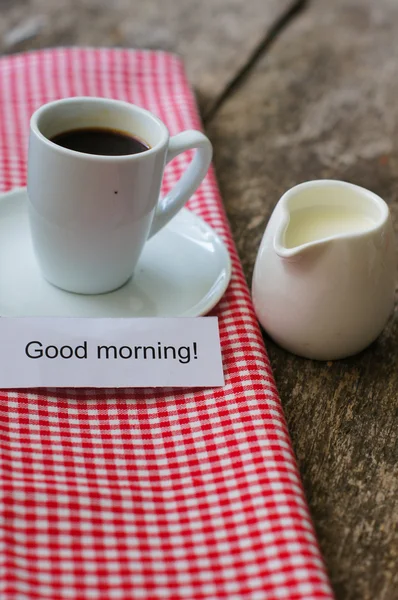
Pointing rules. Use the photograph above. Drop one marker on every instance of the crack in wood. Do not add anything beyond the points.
(264, 45)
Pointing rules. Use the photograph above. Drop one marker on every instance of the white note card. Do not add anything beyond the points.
(84, 352)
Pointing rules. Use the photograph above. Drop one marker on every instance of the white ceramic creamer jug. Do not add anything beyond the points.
(324, 278)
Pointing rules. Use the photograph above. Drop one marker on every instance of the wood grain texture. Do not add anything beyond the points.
(322, 103)
(215, 38)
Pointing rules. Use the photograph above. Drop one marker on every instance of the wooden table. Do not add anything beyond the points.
(289, 91)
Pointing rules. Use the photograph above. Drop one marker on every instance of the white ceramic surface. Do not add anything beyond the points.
(183, 271)
(91, 215)
(330, 297)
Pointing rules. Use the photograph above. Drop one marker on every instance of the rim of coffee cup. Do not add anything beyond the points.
(34, 126)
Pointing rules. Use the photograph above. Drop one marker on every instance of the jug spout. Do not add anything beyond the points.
(289, 248)
(281, 248)
(322, 212)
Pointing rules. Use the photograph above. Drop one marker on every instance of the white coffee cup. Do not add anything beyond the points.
(90, 215)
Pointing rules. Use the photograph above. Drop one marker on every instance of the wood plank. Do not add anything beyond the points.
(322, 103)
(215, 38)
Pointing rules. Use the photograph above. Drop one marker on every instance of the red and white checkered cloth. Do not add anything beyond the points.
(144, 493)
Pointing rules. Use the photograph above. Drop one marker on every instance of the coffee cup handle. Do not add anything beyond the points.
(191, 179)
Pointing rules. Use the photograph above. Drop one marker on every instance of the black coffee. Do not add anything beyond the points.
(95, 140)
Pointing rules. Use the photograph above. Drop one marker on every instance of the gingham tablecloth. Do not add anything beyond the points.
(145, 493)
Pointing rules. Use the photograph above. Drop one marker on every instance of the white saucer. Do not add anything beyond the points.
(183, 271)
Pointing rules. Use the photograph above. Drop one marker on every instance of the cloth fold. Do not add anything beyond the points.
(148, 493)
